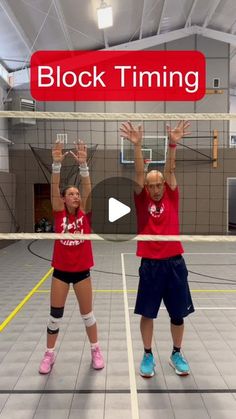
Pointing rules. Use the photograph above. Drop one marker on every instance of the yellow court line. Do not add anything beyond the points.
(134, 291)
(36, 290)
(22, 303)
(213, 290)
(121, 291)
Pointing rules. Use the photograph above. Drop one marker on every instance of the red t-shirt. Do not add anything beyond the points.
(160, 217)
(72, 255)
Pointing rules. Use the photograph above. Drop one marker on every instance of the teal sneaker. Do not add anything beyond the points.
(179, 364)
(147, 365)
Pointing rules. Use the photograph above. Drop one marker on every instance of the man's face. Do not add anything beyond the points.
(155, 185)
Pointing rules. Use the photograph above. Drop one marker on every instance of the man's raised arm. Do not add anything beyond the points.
(174, 136)
(135, 136)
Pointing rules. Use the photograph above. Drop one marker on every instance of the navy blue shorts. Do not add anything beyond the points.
(71, 277)
(167, 280)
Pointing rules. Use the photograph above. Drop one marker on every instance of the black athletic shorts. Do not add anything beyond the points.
(164, 279)
(71, 277)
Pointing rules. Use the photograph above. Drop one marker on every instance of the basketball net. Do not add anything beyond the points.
(146, 164)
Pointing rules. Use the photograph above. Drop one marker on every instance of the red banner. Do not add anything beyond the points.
(117, 75)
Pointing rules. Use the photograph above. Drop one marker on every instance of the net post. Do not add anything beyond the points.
(215, 148)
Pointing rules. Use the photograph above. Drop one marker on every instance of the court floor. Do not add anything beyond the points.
(73, 389)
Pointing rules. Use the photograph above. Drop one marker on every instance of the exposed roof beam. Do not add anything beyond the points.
(61, 19)
(15, 23)
(175, 35)
(142, 19)
(233, 27)
(217, 35)
(161, 18)
(153, 40)
(210, 14)
(188, 20)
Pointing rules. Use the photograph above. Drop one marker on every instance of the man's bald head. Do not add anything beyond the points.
(155, 184)
(154, 176)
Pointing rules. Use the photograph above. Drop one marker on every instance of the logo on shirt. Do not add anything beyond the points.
(74, 227)
(155, 211)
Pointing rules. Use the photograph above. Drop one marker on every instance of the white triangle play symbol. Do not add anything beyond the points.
(116, 209)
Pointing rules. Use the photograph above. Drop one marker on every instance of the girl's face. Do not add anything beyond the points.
(72, 199)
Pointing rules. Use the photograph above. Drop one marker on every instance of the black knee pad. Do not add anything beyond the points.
(177, 322)
(56, 314)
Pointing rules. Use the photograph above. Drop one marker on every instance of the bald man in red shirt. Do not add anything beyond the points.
(162, 273)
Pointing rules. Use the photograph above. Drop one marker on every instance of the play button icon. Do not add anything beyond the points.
(116, 210)
(113, 209)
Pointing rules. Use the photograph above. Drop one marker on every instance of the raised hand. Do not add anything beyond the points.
(80, 154)
(57, 152)
(178, 132)
(132, 133)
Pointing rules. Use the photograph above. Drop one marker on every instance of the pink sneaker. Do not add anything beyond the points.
(97, 358)
(47, 362)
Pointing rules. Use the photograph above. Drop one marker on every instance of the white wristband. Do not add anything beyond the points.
(56, 167)
(84, 170)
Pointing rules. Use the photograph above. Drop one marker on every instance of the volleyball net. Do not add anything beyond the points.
(205, 171)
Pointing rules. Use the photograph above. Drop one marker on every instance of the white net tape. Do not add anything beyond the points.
(92, 116)
(116, 237)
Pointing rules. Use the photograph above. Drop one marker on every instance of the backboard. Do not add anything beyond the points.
(154, 148)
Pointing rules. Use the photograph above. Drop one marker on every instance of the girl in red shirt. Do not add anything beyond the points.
(72, 259)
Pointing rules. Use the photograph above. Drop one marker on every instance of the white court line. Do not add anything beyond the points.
(132, 380)
(202, 308)
(193, 253)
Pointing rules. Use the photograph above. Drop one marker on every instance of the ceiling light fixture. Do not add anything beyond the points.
(104, 13)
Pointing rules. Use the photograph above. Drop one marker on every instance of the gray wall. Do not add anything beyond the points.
(7, 183)
(203, 189)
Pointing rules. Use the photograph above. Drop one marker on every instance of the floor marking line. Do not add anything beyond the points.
(202, 308)
(24, 301)
(134, 291)
(133, 386)
(215, 290)
(125, 391)
(194, 253)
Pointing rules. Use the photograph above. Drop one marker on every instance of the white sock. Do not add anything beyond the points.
(94, 345)
(50, 349)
